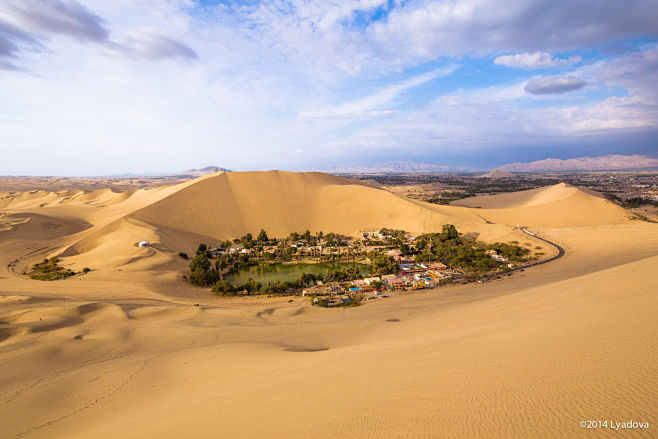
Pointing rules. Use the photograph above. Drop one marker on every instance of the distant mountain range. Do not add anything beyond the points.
(604, 163)
(201, 171)
(395, 167)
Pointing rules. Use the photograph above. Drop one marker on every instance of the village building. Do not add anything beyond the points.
(369, 280)
(438, 266)
(494, 255)
(318, 290)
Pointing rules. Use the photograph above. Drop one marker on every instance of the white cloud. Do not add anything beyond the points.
(374, 104)
(145, 45)
(429, 29)
(537, 60)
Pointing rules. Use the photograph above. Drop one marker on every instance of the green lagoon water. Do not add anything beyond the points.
(287, 273)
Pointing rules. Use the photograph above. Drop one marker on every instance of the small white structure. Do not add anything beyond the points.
(494, 255)
(369, 280)
(144, 244)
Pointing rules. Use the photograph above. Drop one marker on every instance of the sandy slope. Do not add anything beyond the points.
(232, 204)
(529, 356)
(561, 205)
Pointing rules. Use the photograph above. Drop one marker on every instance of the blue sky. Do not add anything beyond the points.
(94, 87)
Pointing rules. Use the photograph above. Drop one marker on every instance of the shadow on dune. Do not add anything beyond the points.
(70, 321)
(6, 333)
(303, 349)
(268, 311)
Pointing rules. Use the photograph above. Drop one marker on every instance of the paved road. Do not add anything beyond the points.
(560, 250)
(560, 253)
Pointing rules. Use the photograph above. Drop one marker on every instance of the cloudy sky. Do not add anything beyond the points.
(95, 87)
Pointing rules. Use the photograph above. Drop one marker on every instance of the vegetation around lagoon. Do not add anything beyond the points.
(463, 254)
(467, 254)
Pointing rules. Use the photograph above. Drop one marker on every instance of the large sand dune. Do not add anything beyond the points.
(232, 204)
(123, 351)
(561, 205)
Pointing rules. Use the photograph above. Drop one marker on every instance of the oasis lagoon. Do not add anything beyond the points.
(288, 272)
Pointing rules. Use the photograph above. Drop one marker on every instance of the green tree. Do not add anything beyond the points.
(204, 278)
(262, 236)
(200, 261)
(382, 264)
(305, 280)
(251, 285)
(448, 232)
(331, 239)
(224, 288)
(307, 236)
(201, 274)
(202, 248)
(247, 240)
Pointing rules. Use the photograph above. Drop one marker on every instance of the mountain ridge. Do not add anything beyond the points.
(609, 162)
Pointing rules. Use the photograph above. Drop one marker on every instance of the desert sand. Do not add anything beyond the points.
(124, 352)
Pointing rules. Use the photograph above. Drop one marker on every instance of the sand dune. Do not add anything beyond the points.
(561, 205)
(232, 204)
(124, 351)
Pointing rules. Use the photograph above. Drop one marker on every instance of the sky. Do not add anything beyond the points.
(97, 87)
